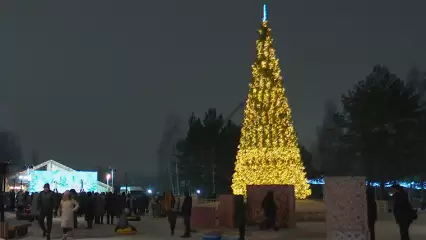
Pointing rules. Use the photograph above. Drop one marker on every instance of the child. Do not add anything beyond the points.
(123, 223)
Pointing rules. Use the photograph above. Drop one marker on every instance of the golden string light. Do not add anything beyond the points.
(268, 152)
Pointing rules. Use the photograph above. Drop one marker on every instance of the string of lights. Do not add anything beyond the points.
(268, 151)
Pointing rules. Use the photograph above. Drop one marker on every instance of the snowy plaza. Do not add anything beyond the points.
(219, 175)
(149, 228)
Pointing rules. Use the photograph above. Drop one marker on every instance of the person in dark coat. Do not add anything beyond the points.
(12, 198)
(269, 211)
(58, 198)
(240, 210)
(46, 205)
(402, 211)
(186, 214)
(20, 201)
(371, 211)
(111, 208)
(100, 208)
(83, 199)
(145, 204)
(121, 203)
(90, 210)
(75, 197)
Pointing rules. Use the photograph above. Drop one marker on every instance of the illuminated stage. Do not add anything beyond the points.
(60, 178)
(60, 181)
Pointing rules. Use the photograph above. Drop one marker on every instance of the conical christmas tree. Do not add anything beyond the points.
(268, 151)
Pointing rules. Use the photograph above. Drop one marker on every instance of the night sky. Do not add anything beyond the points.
(90, 83)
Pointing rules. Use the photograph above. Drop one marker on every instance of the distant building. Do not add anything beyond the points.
(15, 180)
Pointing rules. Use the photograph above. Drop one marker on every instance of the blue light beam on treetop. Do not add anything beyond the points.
(265, 13)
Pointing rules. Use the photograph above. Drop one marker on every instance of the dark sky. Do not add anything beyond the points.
(91, 82)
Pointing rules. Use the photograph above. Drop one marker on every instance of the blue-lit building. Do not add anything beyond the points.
(22, 180)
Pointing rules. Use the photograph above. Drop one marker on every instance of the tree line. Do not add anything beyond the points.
(379, 131)
(205, 156)
(10, 149)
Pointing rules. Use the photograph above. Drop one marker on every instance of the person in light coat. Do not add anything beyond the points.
(68, 207)
(152, 207)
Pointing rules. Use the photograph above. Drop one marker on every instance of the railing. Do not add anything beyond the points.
(206, 200)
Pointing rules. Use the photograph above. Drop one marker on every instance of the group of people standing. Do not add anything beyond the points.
(94, 206)
(173, 209)
(402, 210)
(72, 205)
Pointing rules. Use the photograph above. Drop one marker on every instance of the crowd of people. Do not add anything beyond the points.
(94, 207)
(70, 205)
(105, 204)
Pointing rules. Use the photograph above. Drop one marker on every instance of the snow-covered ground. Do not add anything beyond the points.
(157, 229)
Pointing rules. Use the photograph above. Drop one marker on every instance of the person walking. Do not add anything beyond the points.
(67, 209)
(240, 217)
(186, 214)
(171, 208)
(151, 207)
(46, 205)
(403, 211)
(371, 212)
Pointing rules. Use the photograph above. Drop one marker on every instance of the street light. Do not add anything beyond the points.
(108, 177)
(149, 191)
(112, 170)
(198, 191)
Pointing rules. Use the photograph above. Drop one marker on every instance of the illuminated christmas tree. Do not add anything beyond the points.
(268, 151)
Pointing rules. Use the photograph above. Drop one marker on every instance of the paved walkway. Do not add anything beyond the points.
(157, 229)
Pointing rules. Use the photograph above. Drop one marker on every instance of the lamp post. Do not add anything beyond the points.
(3, 173)
(125, 180)
(112, 170)
(108, 177)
